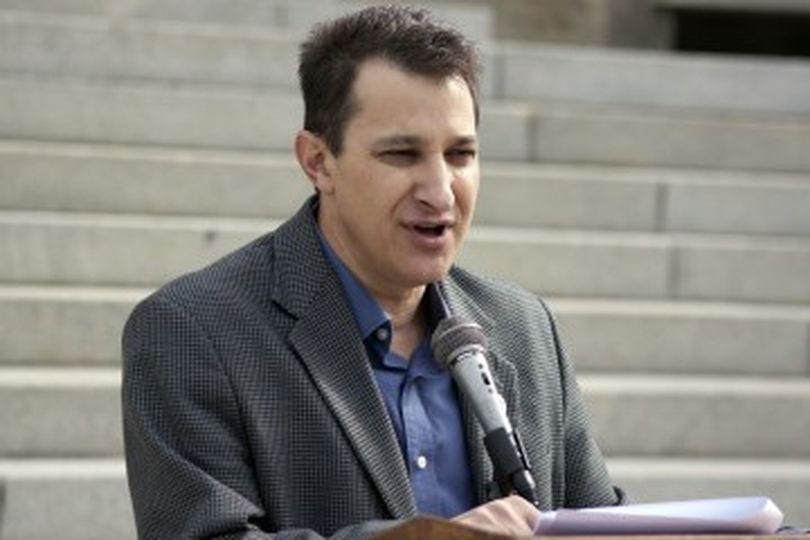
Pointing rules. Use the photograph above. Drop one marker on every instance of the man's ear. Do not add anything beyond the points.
(315, 159)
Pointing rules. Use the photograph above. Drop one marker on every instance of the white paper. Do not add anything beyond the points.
(740, 515)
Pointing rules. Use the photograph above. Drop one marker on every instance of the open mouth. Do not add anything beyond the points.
(434, 231)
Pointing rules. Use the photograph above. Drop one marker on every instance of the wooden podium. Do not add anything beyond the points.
(427, 528)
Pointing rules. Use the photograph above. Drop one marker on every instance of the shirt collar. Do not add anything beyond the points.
(367, 312)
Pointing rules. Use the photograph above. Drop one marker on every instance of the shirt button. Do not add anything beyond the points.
(382, 334)
(421, 462)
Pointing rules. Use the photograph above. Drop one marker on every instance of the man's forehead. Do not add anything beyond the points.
(371, 70)
(393, 106)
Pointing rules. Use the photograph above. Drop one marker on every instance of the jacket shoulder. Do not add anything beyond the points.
(499, 300)
(239, 277)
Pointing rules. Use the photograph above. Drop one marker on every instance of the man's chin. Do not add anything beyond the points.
(429, 274)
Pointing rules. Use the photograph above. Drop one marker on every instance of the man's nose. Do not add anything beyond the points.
(435, 184)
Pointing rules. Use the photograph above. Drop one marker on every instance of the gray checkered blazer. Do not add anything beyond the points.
(250, 407)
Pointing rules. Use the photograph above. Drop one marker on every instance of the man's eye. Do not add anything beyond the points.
(400, 157)
(461, 155)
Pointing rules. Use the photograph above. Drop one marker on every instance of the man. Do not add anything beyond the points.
(290, 389)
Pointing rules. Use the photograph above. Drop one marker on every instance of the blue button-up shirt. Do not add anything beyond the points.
(422, 401)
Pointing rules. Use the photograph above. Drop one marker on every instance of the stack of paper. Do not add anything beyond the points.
(742, 515)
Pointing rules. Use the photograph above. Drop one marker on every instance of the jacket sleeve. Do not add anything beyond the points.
(188, 462)
(587, 482)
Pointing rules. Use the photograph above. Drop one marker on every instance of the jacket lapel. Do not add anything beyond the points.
(327, 341)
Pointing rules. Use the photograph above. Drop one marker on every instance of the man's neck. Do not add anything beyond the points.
(408, 319)
(404, 306)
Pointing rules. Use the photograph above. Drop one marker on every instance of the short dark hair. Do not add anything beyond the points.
(410, 38)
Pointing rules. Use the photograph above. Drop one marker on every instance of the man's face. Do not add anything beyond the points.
(398, 200)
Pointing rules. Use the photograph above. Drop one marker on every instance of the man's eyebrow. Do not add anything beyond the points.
(413, 140)
(397, 140)
(466, 140)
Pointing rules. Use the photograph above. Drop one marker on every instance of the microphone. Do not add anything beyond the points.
(460, 345)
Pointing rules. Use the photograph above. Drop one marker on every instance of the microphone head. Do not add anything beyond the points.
(453, 335)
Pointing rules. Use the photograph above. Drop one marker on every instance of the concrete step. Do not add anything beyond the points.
(81, 326)
(49, 412)
(148, 114)
(786, 482)
(75, 412)
(85, 500)
(203, 116)
(129, 179)
(653, 78)
(105, 249)
(644, 415)
(643, 199)
(476, 21)
(63, 326)
(685, 337)
(635, 136)
(643, 265)
(112, 47)
(158, 247)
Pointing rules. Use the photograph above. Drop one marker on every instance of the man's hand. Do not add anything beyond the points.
(512, 516)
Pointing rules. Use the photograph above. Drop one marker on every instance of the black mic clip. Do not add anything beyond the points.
(512, 469)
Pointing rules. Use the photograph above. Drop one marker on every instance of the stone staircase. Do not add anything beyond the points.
(661, 203)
